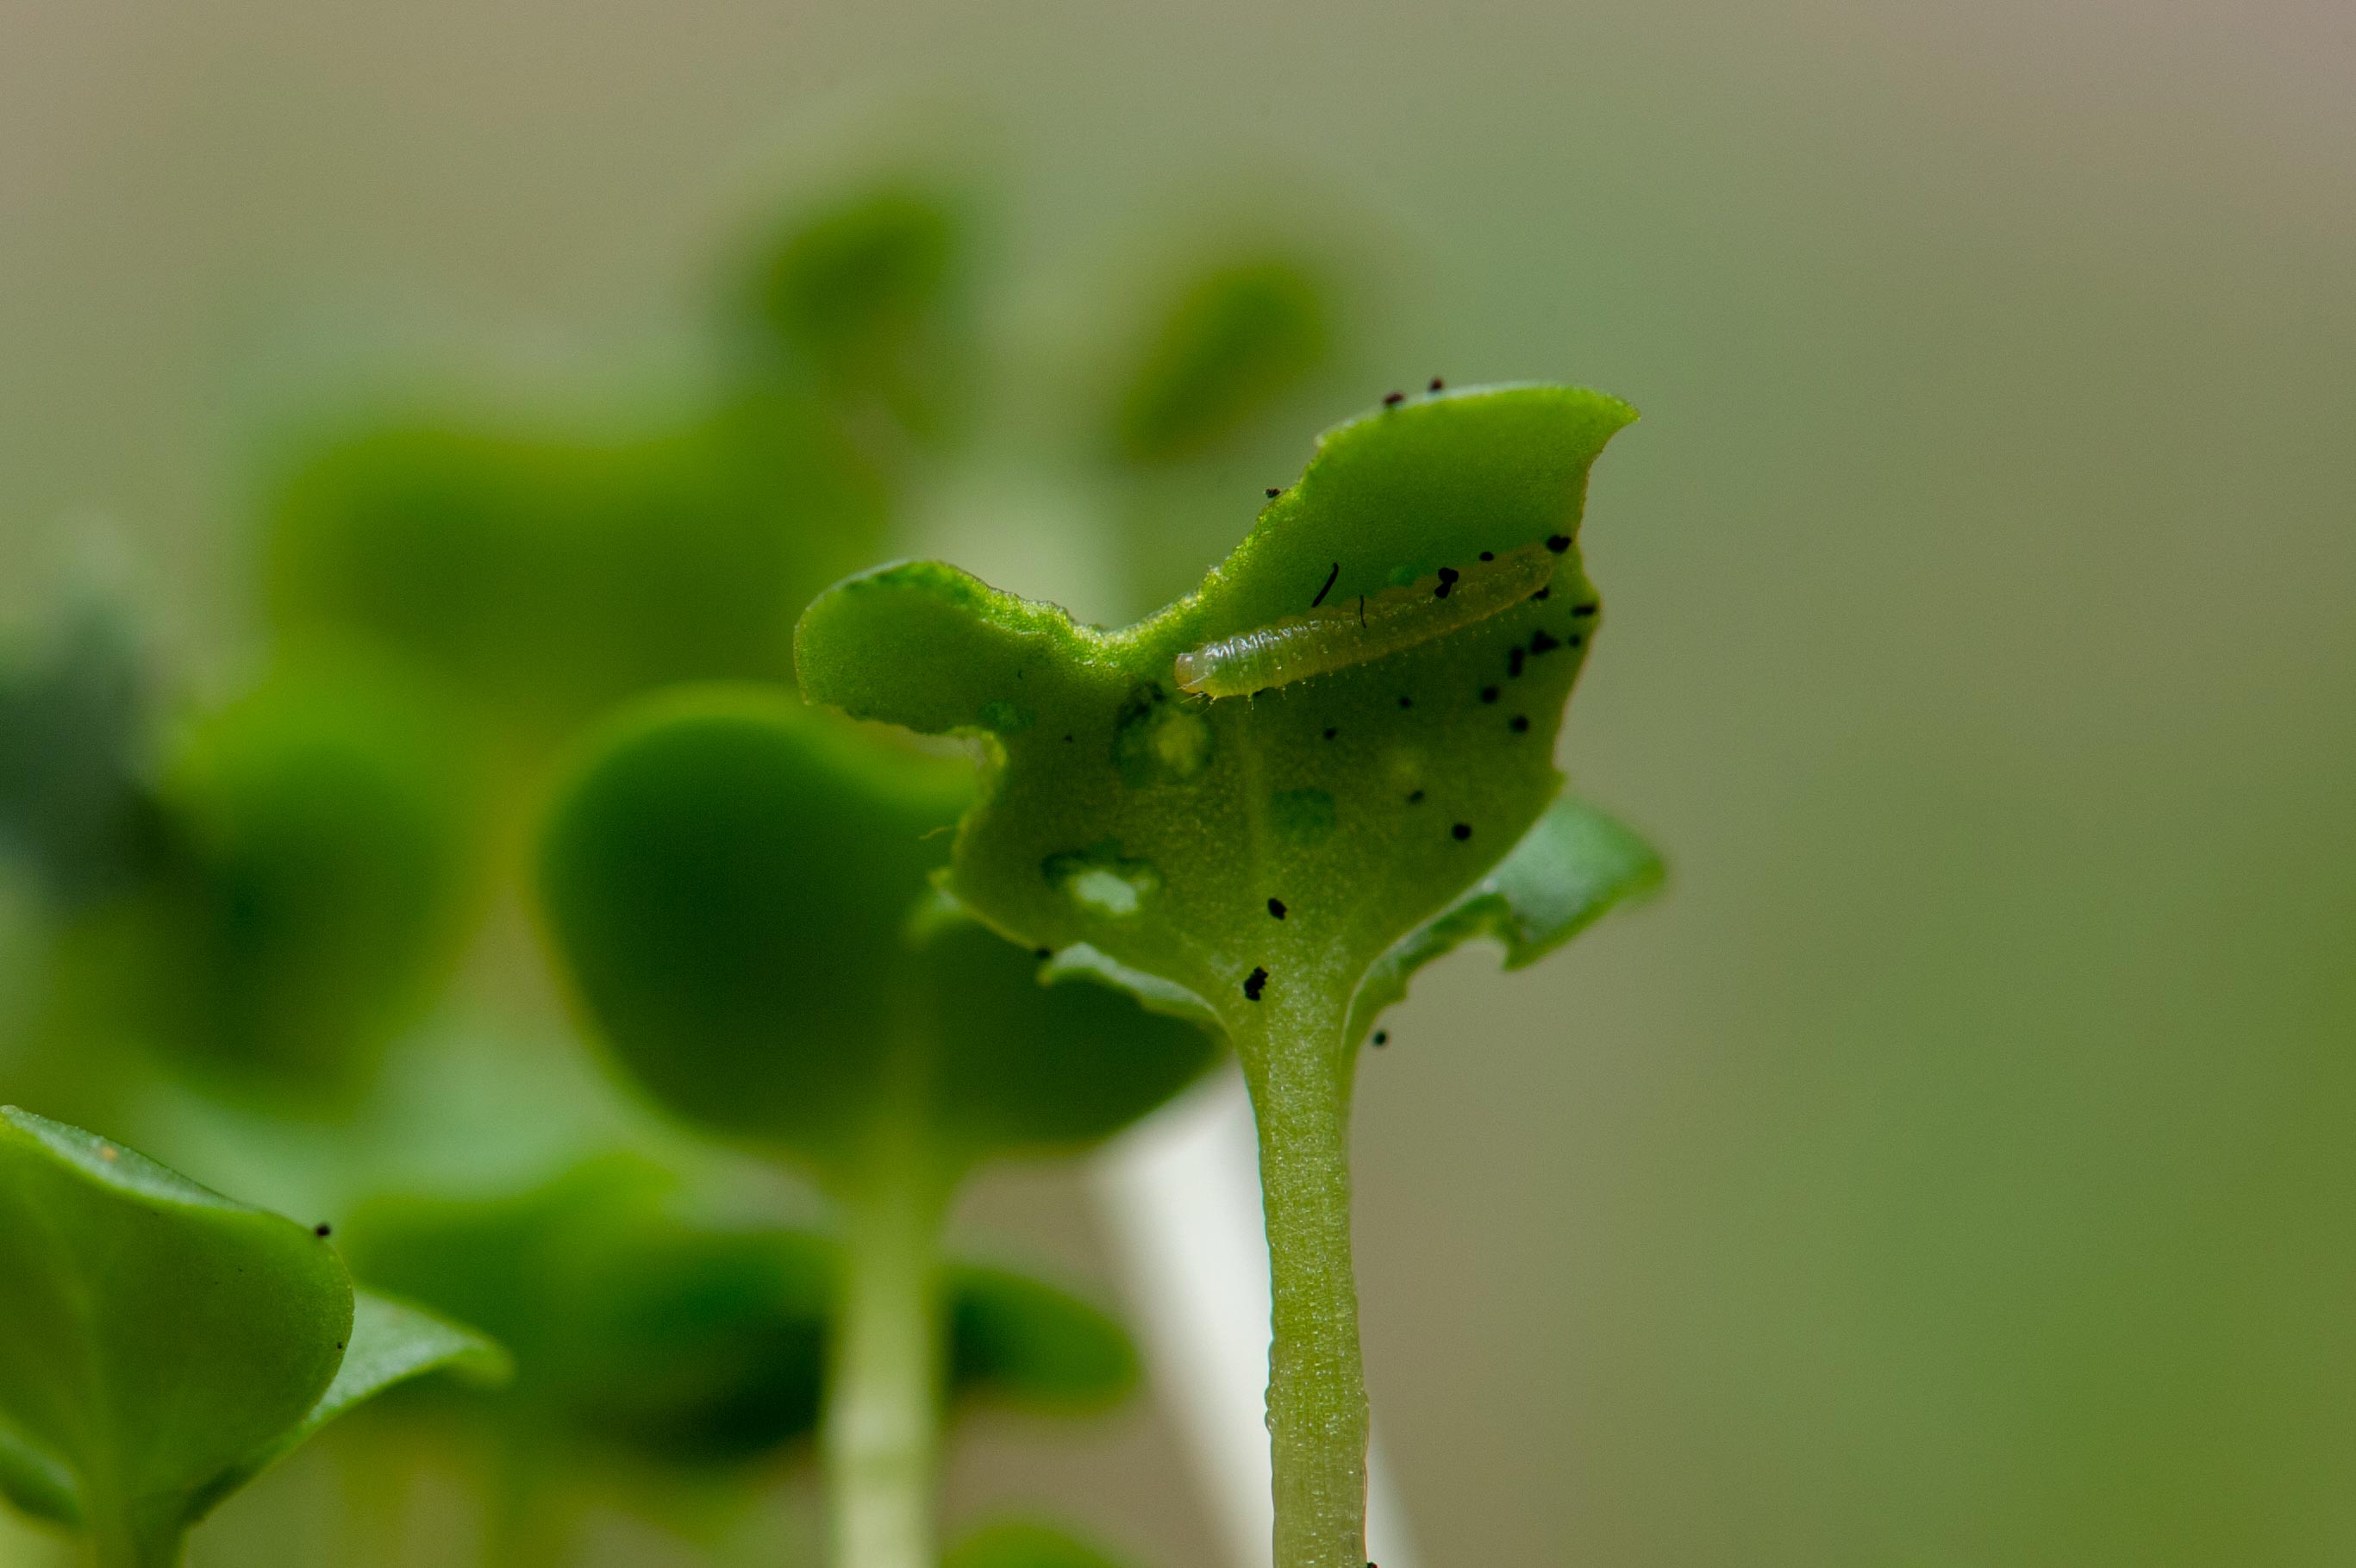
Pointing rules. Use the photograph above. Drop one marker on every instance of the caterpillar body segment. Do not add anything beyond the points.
(1364, 627)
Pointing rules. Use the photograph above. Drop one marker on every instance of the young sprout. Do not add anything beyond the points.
(549, 565)
(641, 1334)
(866, 302)
(742, 895)
(653, 1336)
(309, 885)
(1238, 338)
(545, 572)
(1364, 796)
(1201, 394)
(160, 1345)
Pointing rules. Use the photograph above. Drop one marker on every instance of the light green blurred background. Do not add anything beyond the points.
(1958, 1167)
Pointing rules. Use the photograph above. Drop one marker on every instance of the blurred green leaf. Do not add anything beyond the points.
(1568, 869)
(635, 1331)
(548, 574)
(321, 841)
(1017, 1341)
(159, 1343)
(391, 1342)
(74, 799)
(1236, 340)
(742, 892)
(742, 895)
(642, 1330)
(708, 1344)
(1022, 1543)
(866, 298)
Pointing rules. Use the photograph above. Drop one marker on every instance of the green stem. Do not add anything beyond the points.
(1316, 1387)
(883, 1417)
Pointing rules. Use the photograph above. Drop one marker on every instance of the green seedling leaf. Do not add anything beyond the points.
(1564, 875)
(1156, 827)
(1022, 1543)
(392, 1342)
(1237, 339)
(638, 1332)
(866, 299)
(1257, 793)
(1209, 400)
(314, 890)
(159, 1338)
(742, 891)
(728, 1329)
(548, 574)
(159, 1344)
(1020, 1341)
(646, 1332)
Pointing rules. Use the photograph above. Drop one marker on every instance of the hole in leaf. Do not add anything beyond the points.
(1156, 741)
(1103, 881)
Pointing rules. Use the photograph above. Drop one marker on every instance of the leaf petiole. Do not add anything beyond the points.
(883, 1417)
(1295, 1059)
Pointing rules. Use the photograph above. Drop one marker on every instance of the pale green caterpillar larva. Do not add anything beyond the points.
(1365, 627)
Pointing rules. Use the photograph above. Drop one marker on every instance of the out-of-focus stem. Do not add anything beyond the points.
(883, 1417)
